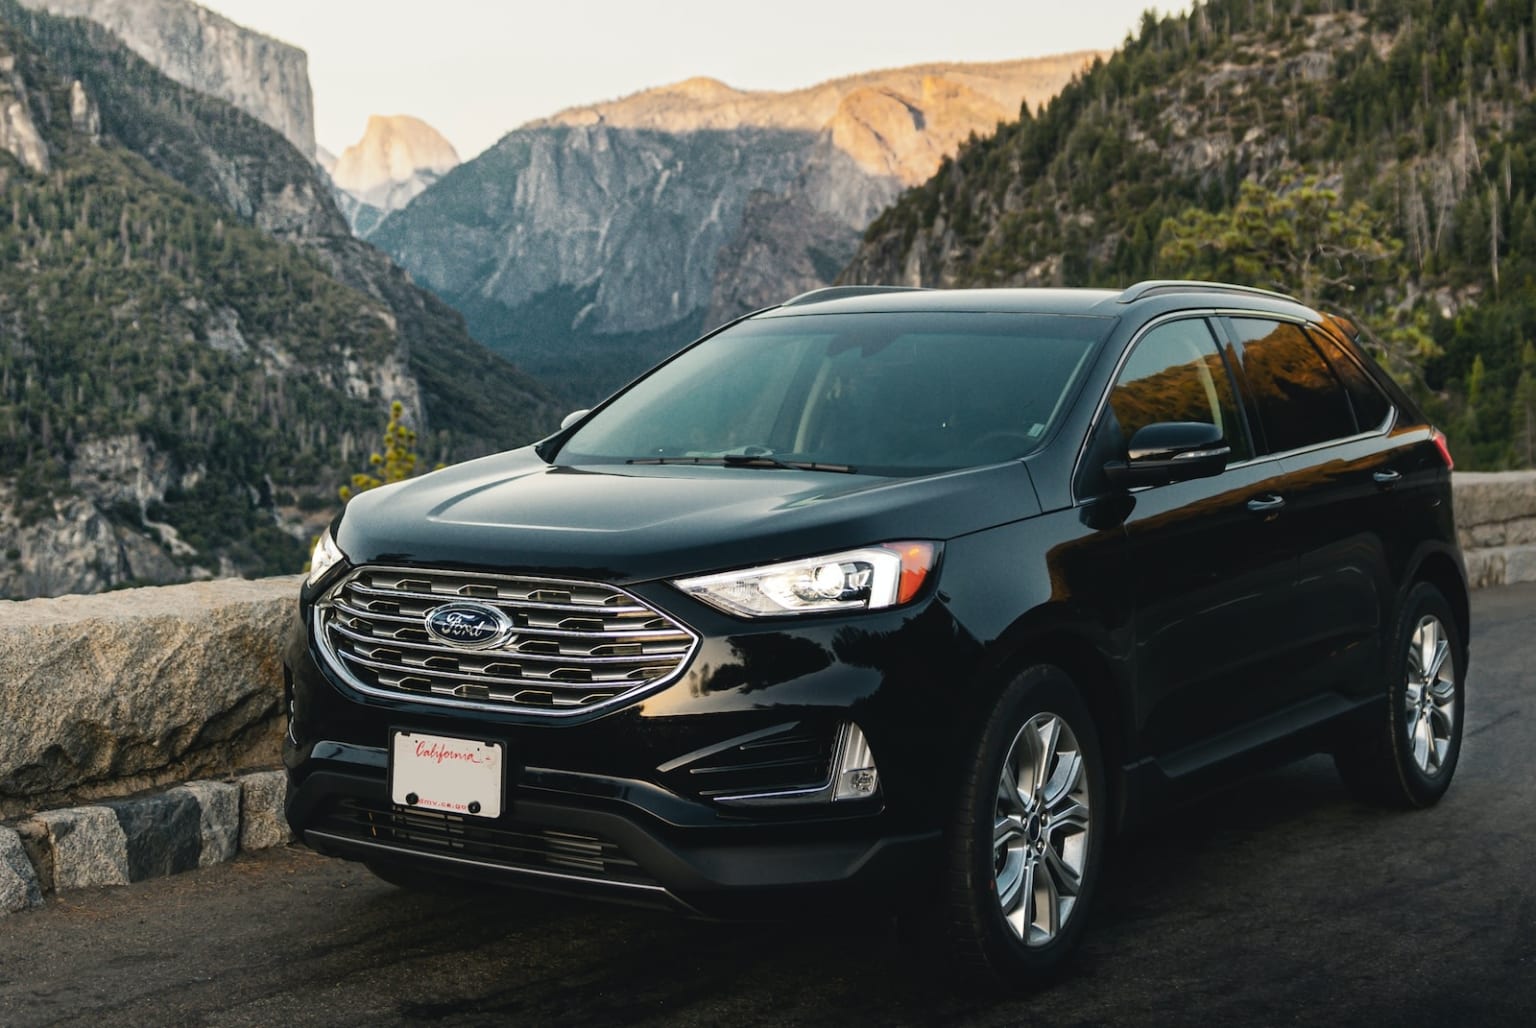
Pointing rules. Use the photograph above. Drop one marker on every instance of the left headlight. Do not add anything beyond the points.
(326, 556)
(870, 578)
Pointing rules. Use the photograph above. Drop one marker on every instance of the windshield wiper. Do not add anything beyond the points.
(748, 460)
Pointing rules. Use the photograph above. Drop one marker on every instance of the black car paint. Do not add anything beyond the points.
(1206, 635)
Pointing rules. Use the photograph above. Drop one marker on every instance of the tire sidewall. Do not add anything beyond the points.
(1040, 689)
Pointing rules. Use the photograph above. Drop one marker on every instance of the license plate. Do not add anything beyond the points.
(437, 772)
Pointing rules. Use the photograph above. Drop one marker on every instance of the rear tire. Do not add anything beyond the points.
(1027, 836)
(1406, 757)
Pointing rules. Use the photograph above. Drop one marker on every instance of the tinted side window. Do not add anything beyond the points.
(1370, 405)
(1176, 373)
(1300, 401)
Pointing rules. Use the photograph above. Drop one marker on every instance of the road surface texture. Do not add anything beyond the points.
(1281, 901)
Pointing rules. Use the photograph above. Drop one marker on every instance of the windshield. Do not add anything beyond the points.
(884, 394)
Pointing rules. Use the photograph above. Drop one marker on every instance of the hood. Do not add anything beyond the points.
(633, 523)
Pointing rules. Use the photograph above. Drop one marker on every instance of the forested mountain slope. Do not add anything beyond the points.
(1376, 156)
(194, 351)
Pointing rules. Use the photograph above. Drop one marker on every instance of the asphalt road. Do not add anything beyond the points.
(1281, 901)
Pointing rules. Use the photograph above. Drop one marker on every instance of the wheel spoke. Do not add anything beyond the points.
(1020, 911)
(1068, 881)
(1012, 881)
(1437, 663)
(1069, 816)
(1068, 775)
(1048, 735)
(1047, 903)
(1010, 796)
(1422, 743)
(1427, 639)
(1005, 829)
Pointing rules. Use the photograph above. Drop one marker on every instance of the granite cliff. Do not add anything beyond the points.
(587, 244)
(205, 51)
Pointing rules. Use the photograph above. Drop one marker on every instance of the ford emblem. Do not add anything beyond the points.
(471, 626)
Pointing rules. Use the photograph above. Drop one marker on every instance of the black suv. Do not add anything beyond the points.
(911, 596)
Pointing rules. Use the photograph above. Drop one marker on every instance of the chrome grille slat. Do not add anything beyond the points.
(478, 678)
(603, 648)
(584, 608)
(497, 656)
(554, 633)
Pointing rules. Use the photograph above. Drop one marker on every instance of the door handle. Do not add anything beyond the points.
(1269, 503)
(1389, 477)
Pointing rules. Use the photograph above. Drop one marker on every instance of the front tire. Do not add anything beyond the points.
(1027, 837)
(1407, 757)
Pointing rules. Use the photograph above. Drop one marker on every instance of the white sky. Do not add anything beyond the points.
(475, 69)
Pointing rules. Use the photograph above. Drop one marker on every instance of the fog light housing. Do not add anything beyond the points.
(857, 776)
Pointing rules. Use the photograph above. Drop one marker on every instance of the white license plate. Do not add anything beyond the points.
(436, 772)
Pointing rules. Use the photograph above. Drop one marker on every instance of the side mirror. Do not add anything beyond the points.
(1170, 451)
(573, 417)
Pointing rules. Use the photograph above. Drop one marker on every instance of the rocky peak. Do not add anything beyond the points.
(395, 150)
(192, 45)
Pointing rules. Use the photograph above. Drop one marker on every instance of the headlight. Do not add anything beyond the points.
(326, 556)
(887, 575)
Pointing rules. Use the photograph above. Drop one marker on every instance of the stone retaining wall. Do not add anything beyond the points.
(111, 696)
(115, 693)
(1496, 520)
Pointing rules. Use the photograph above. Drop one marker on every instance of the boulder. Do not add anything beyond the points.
(19, 888)
(121, 691)
(262, 822)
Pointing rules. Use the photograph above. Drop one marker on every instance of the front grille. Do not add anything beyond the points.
(520, 847)
(574, 645)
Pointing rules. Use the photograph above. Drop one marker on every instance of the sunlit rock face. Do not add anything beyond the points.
(397, 158)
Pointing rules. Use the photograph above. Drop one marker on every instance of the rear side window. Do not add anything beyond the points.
(1370, 405)
(1300, 401)
(1176, 373)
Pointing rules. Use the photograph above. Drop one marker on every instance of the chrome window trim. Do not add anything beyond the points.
(337, 666)
(1207, 313)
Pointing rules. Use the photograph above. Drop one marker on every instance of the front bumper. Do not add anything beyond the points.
(619, 805)
(548, 841)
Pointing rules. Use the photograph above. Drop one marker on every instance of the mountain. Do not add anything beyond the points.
(397, 158)
(1379, 158)
(194, 350)
(588, 244)
(265, 78)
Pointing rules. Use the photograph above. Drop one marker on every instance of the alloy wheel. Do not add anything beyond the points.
(1429, 715)
(1040, 831)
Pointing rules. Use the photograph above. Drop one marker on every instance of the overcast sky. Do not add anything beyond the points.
(475, 69)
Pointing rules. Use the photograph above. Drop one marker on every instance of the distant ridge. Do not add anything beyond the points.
(587, 244)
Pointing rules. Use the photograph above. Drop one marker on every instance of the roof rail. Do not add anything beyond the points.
(1162, 287)
(841, 292)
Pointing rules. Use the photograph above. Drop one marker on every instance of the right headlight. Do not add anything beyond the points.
(326, 556)
(870, 578)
